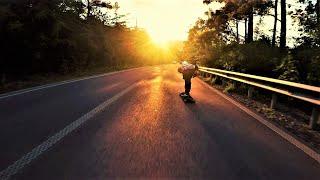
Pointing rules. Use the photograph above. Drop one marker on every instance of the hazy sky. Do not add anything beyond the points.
(171, 19)
(163, 19)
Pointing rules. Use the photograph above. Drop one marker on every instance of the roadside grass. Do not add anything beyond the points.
(38, 80)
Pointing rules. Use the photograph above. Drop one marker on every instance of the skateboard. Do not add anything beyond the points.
(187, 99)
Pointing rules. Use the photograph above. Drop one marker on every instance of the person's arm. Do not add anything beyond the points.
(196, 72)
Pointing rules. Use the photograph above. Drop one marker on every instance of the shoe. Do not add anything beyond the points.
(184, 95)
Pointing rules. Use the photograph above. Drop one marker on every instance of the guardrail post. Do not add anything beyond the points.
(314, 117)
(250, 92)
(213, 80)
(234, 84)
(273, 101)
(224, 83)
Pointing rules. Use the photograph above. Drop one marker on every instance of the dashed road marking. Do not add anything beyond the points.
(43, 147)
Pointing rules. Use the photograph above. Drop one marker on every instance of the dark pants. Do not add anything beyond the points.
(187, 86)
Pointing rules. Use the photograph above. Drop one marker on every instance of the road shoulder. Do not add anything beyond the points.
(45, 86)
(280, 131)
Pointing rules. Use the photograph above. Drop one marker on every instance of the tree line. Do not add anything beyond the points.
(217, 41)
(40, 37)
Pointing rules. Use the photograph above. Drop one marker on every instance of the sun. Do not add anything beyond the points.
(160, 37)
(164, 20)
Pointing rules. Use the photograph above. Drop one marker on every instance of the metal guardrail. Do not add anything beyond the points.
(299, 91)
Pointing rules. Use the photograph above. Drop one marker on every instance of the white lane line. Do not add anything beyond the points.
(310, 152)
(43, 147)
(23, 91)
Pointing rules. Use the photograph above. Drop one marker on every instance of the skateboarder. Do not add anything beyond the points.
(189, 71)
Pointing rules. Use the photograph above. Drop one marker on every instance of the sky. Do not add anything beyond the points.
(163, 19)
(169, 20)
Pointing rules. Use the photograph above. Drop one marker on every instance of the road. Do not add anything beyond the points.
(145, 132)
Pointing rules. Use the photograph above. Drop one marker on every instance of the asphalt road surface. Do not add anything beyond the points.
(146, 132)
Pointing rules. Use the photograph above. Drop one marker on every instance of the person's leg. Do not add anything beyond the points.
(187, 86)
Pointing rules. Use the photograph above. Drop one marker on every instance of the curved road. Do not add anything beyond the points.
(140, 128)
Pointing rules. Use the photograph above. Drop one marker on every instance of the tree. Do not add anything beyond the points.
(309, 20)
(317, 6)
(235, 10)
(289, 69)
(275, 23)
(49, 37)
(250, 25)
(283, 33)
(90, 4)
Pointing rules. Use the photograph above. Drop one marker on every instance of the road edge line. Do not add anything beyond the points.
(300, 145)
(45, 86)
(27, 158)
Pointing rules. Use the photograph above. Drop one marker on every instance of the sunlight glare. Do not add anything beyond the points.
(164, 20)
(160, 38)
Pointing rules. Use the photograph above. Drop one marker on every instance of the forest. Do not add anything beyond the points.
(217, 40)
(57, 37)
(61, 37)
